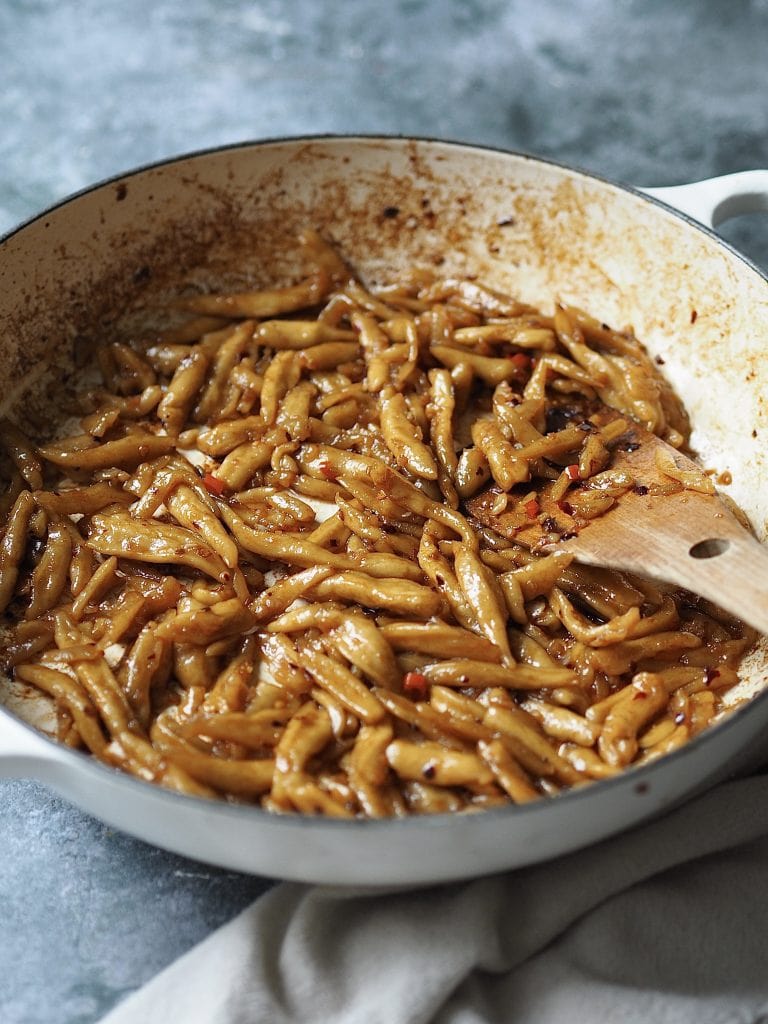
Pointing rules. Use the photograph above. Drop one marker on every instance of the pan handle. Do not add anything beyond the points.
(717, 199)
(23, 752)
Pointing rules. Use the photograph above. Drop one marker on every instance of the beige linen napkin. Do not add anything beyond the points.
(667, 924)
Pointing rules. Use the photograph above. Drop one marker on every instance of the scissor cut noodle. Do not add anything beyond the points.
(260, 571)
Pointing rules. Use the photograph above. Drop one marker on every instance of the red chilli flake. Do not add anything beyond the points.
(213, 485)
(572, 472)
(640, 695)
(328, 472)
(520, 360)
(415, 683)
(532, 508)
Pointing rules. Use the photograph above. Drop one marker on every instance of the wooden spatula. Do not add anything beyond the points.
(687, 538)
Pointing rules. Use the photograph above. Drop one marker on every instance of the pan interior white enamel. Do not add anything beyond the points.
(106, 262)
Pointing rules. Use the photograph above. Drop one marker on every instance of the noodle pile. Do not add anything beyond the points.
(293, 557)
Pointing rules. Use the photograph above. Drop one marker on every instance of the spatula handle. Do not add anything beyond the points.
(724, 564)
(732, 572)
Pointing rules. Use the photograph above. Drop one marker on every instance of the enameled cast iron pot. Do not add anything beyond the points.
(537, 229)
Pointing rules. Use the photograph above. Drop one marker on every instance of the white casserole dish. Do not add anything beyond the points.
(527, 226)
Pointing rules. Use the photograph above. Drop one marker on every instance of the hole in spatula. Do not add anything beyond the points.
(709, 548)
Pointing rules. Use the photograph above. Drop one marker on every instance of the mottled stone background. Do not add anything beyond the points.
(643, 91)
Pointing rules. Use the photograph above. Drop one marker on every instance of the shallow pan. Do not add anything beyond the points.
(536, 229)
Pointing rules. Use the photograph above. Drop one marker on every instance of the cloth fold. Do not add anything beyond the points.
(667, 923)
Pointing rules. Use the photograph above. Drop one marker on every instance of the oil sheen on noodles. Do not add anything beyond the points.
(284, 561)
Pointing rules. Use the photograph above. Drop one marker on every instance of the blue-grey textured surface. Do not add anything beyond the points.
(645, 91)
